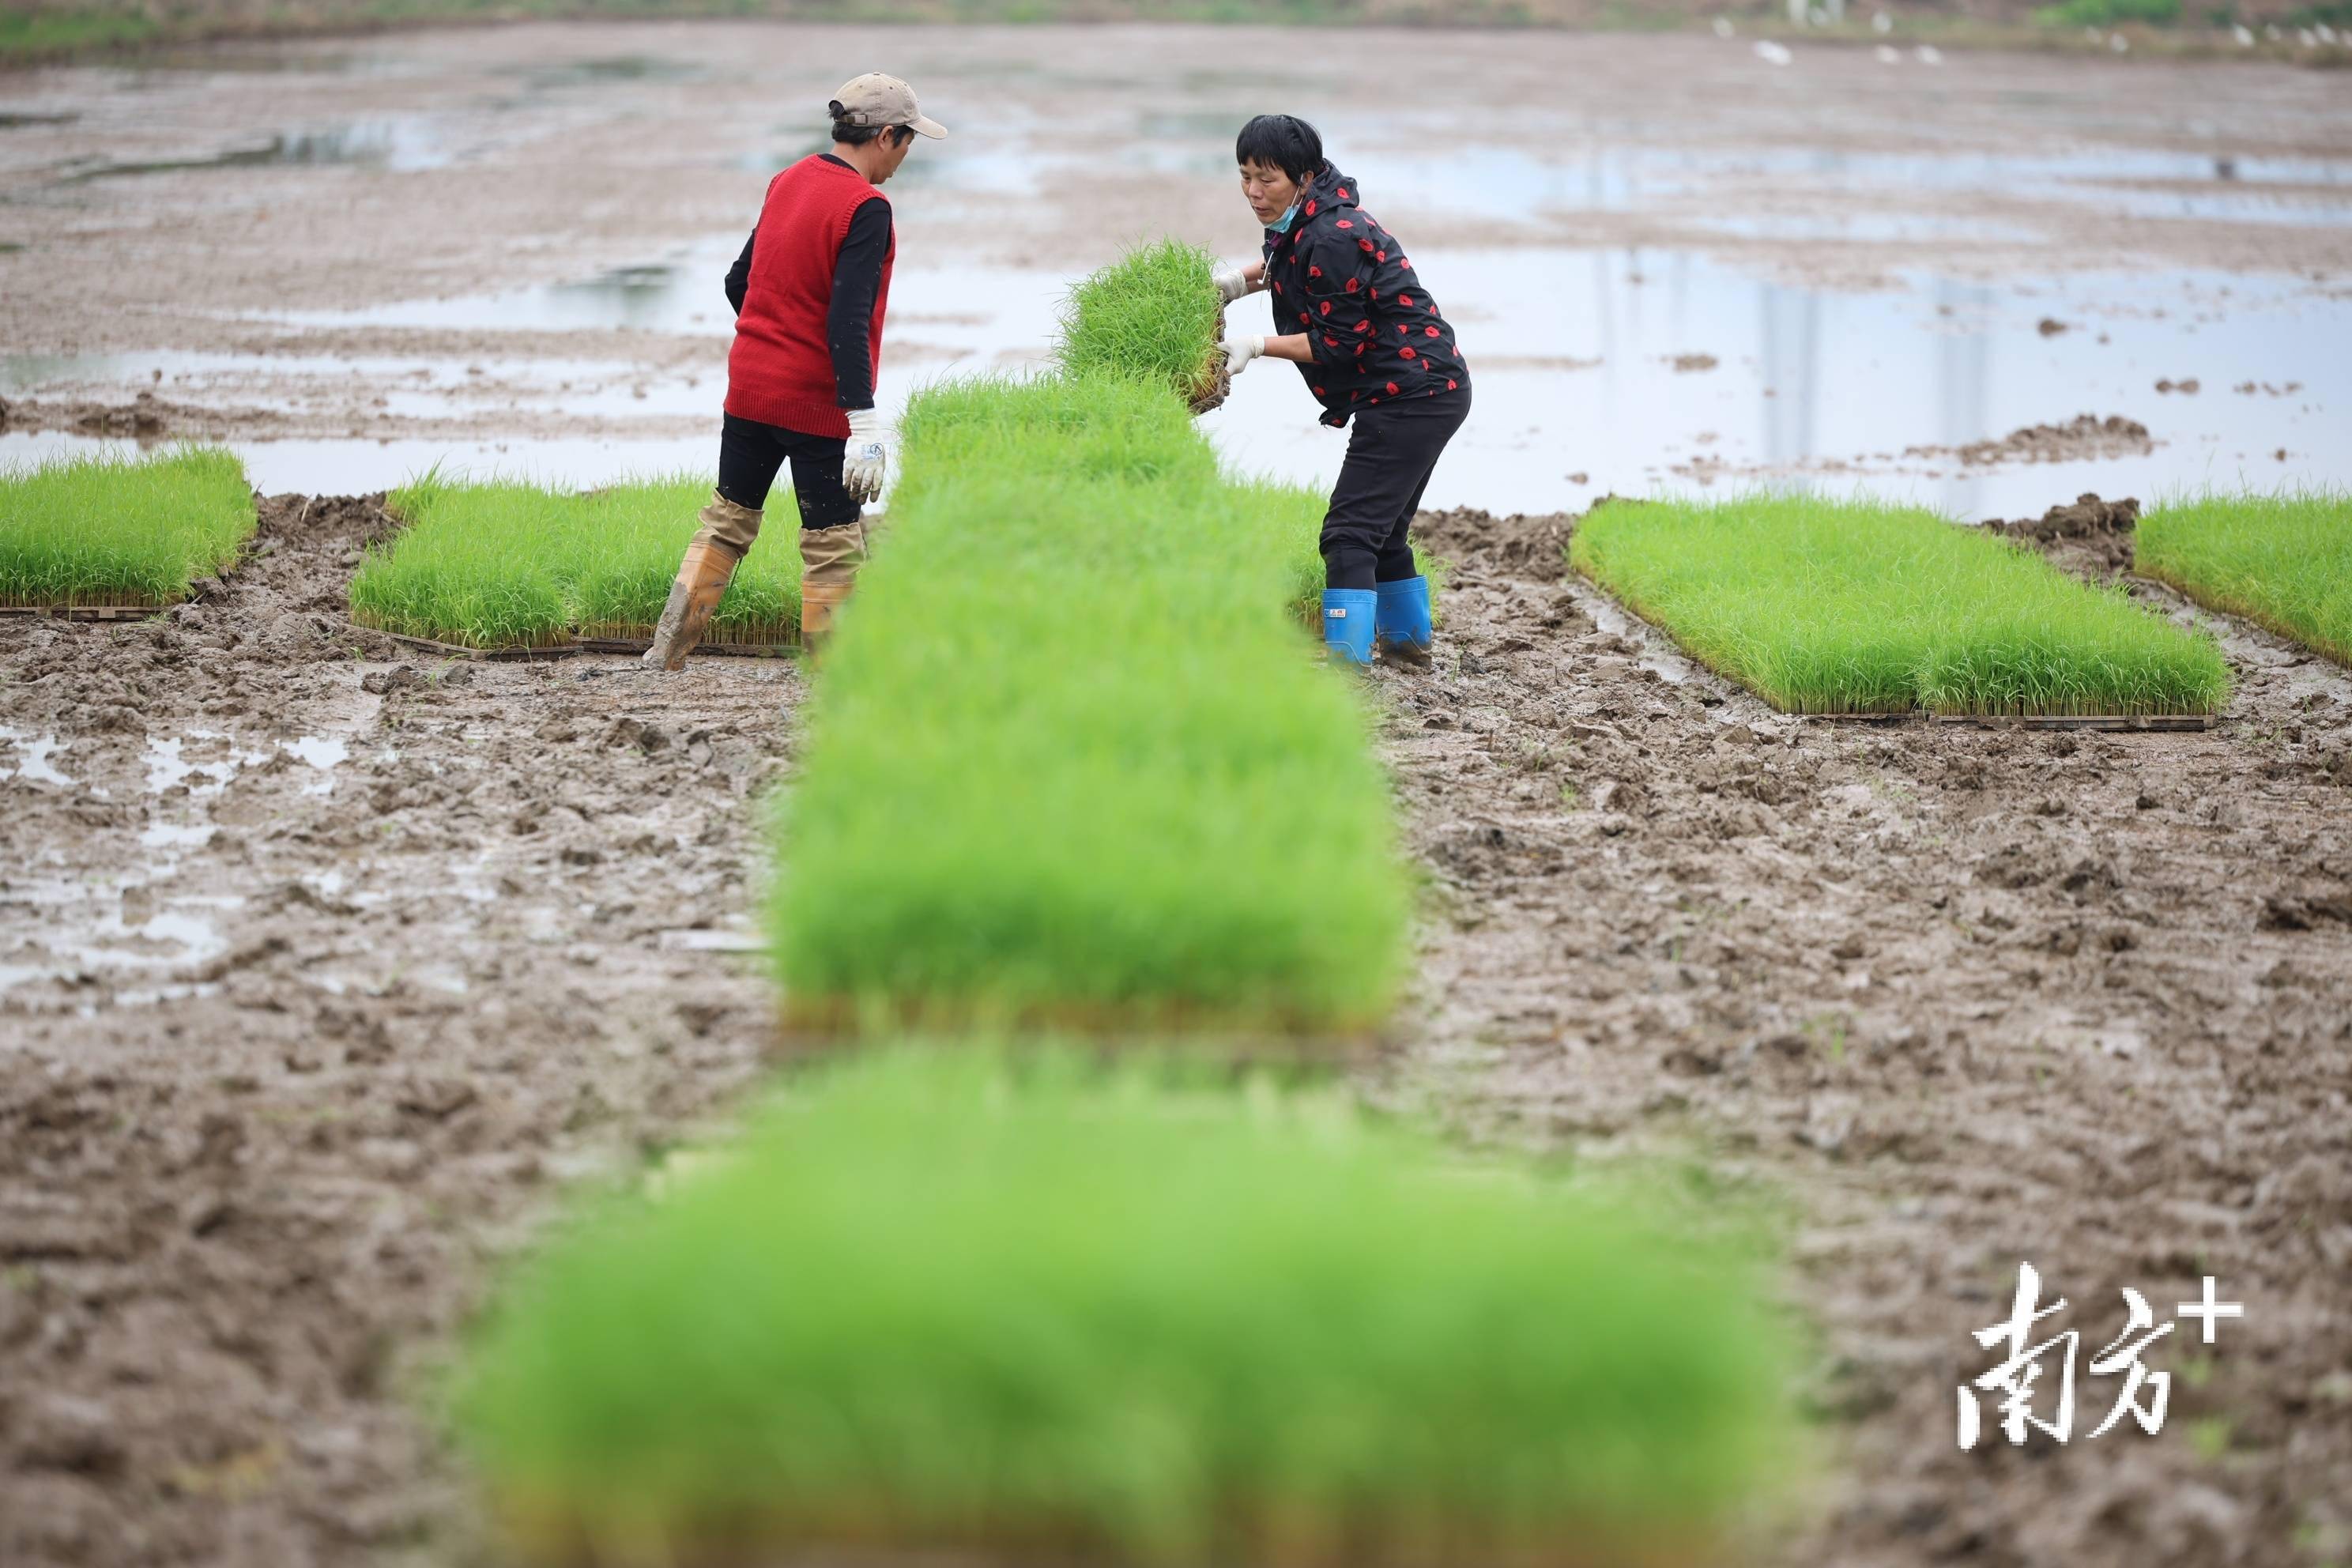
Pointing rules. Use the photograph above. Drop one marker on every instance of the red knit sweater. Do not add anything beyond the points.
(779, 371)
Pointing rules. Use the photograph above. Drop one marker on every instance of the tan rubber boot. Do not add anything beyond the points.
(830, 558)
(711, 556)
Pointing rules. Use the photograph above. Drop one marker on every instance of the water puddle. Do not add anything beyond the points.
(31, 757)
(1640, 371)
(1631, 371)
(137, 937)
(740, 937)
(605, 71)
(1890, 195)
(401, 144)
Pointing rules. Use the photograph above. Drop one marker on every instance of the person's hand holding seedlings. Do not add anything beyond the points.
(1349, 311)
(809, 293)
(1235, 279)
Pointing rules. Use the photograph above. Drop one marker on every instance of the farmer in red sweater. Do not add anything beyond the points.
(809, 292)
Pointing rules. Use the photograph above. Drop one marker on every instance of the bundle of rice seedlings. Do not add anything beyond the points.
(1154, 313)
(1857, 606)
(934, 1301)
(118, 529)
(2284, 560)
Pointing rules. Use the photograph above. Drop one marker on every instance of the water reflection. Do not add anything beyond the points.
(1638, 370)
(401, 144)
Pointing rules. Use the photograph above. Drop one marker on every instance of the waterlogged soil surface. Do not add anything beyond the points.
(1960, 998)
(324, 968)
(501, 248)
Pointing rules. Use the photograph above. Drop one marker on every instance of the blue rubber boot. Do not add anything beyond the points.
(1348, 617)
(1401, 627)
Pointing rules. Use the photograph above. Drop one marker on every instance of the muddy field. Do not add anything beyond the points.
(1683, 263)
(291, 1045)
(1969, 997)
(326, 968)
(347, 962)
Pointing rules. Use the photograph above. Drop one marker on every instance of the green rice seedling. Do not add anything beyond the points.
(1069, 761)
(1031, 1308)
(118, 529)
(1857, 606)
(2283, 560)
(1287, 520)
(1154, 315)
(505, 563)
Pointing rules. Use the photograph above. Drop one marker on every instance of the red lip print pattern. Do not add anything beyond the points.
(1356, 282)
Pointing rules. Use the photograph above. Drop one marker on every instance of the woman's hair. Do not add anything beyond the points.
(1282, 142)
(859, 135)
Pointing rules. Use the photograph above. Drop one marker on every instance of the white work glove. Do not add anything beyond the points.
(866, 458)
(1239, 350)
(1231, 281)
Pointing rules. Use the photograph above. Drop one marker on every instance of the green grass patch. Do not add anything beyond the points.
(505, 564)
(1856, 606)
(1070, 760)
(114, 530)
(2109, 13)
(936, 1301)
(2283, 561)
(1153, 313)
(43, 34)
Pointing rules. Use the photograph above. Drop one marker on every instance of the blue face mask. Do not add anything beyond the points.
(1282, 224)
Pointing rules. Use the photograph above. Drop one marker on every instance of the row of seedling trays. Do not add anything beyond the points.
(1042, 1269)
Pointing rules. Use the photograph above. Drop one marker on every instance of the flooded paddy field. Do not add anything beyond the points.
(323, 965)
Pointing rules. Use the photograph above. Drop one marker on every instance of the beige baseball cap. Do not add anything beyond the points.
(877, 100)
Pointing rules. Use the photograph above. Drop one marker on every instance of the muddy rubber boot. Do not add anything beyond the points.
(830, 558)
(1348, 620)
(711, 556)
(1402, 626)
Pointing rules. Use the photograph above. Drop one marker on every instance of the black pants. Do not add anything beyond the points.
(750, 452)
(1390, 456)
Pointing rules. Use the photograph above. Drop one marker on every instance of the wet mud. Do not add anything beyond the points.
(324, 970)
(1955, 999)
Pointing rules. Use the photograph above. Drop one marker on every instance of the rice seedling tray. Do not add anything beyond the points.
(2115, 723)
(2119, 722)
(1123, 797)
(459, 650)
(1153, 313)
(733, 649)
(1009, 1301)
(507, 565)
(817, 1026)
(88, 612)
(1824, 607)
(2281, 560)
(105, 537)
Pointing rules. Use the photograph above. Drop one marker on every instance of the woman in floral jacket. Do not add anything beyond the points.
(1369, 343)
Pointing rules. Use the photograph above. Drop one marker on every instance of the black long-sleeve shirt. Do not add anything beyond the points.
(849, 318)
